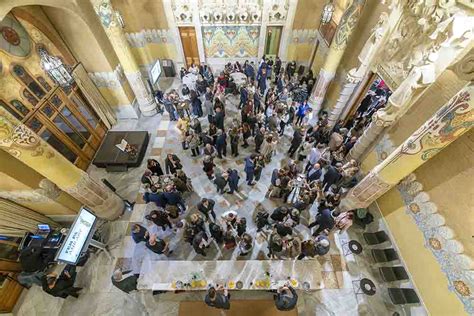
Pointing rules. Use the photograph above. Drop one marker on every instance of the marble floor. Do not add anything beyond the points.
(100, 297)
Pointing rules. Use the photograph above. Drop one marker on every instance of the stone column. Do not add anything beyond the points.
(450, 122)
(23, 144)
(266, 7)
(355, 75)
(336, 51)
(287, 30)
(119, 42)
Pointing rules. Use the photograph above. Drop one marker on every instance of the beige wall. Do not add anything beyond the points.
(15, 175)
(425, 271)
(80, 40)
(141, 14)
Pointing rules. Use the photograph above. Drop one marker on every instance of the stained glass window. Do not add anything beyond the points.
(34, 124)
(43, 83)
(20, 107)
(10, 110)
(34, 87)
(48, 110)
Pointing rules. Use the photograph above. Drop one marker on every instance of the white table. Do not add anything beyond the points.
(254, 274)
(239, 78)
(190, 80)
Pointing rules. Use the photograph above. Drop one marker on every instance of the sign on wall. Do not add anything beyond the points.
(230, 41)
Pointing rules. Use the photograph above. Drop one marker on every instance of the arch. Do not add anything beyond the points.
(70, 17)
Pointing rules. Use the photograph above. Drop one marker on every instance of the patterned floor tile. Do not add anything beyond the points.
(156, 152)
(161, 133)
(338, 263)
(159, 142)
(329, 280)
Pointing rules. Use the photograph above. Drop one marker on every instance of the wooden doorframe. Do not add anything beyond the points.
(188, 56)
(361, 95)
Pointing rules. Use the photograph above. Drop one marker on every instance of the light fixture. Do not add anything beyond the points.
(328, 10)
(55, 68)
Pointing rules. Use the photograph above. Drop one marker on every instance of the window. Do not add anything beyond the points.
(28, 81)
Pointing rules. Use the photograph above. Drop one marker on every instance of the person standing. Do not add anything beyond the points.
(303, 108)
(219, 118)
(259, 137)
(250, 169)
(295, 142)
(206, 207)
(324, 220)
(125, 281)
(208, 166)
(219, 298)
(234, 141)
(221, 181)
(172, 164)
(233, 180)
(221, 143)
(158, 246)
(155, 167)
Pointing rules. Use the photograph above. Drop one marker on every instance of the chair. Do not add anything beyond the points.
(390, 274)
(384, 255)
(403, 296)
(375, 238)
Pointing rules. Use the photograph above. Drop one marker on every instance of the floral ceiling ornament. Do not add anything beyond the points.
(231, 12)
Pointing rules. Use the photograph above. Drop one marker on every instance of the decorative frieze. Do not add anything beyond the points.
(303, 36)
(145, 37)
(113, 79)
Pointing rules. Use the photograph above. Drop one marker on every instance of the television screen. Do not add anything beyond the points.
(155, 72)
(78, 237)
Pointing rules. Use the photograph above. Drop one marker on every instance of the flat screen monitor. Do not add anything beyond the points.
(155, 72)
(78, 237)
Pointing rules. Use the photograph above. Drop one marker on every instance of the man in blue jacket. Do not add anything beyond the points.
(250, 169)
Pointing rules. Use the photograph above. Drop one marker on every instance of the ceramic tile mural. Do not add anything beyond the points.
(230, 41)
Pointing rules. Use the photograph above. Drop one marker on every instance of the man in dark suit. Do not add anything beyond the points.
(154, 196)
(219, 118)
(324, 220)
(219, 298)
(233, 180)
(206, 207)
(314, 173)
(332, 176)
(62, 285)
(221, 143)
(173, 197)
(295, 142)
(259, 137)
(221, 181)
(125, 281)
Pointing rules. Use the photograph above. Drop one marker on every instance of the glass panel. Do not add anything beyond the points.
(84, 109)
(58, 145)
(48, 110)
(20, 72)
(56, 101)
(77, 125)
(44, 83)
(273, 40)
(8, 252)
(10, 110)
(27, 94)
(20, 107)
(61, 124)
(34, 124)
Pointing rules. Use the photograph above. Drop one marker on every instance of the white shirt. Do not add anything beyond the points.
(314, 156)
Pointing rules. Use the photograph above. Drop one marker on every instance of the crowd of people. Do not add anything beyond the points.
(273, 103)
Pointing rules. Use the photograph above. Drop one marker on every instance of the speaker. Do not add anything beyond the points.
(168, 67)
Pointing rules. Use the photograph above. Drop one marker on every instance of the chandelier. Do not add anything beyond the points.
(55, 68)
(328, 10)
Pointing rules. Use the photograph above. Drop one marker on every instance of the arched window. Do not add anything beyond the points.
(10, 110)
(43, 83)
(16, 108)
(29, 82)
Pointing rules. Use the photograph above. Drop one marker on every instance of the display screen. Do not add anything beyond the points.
(155, 72)
(78, 237)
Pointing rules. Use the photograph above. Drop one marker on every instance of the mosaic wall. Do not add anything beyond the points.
(230, 41)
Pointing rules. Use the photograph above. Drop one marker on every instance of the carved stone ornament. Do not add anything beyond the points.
(424, 28)
(235, 12)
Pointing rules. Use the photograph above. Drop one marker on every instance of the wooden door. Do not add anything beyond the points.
(10, 289)
(190, 47)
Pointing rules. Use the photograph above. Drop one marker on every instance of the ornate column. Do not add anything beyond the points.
(445, 126)
(428, 35)
(336, 50)
(119, 42)
(23, 144)
(355, 75)
(287, 30)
